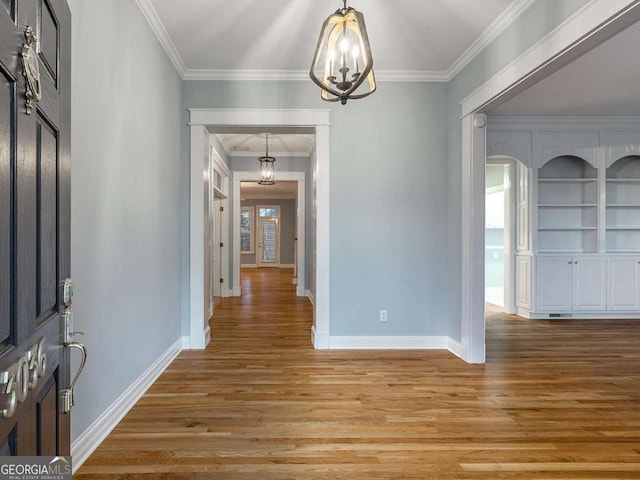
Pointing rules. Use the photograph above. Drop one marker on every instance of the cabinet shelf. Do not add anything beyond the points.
(566, 205)
(623, 180)
(562, 250)
(567, 180)
(565, 229)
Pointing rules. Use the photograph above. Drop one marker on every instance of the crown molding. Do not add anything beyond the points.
(498, 25)
(303, 75)
(153, 19)
(245, 75)
(254, 155)
(492, 31)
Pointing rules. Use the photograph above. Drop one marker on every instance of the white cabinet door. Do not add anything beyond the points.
(589, 283)
(553, 283)
(624, 283)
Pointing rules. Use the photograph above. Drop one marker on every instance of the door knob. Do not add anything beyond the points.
(67, 394)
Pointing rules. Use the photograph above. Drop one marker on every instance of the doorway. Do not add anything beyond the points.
(494, 275)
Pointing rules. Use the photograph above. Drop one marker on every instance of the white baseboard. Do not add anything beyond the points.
(286, 265)
(236, 292)
(207, 335)
(399, 343)
(300, 291)
(294, 281)
(309, 295)
(86, 443)
(248, 265)
(388, 343)
(186, 342)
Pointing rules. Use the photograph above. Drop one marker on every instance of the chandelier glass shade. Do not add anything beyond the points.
(342, 65)
(267, 166)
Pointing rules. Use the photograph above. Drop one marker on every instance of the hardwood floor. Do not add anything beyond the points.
(556, 400)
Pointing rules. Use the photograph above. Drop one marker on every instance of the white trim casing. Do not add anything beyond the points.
(473, 220)
(200, 149)
(86, 443)
(199, 117)
(323, 241)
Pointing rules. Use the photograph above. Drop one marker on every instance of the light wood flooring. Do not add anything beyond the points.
(555, 400)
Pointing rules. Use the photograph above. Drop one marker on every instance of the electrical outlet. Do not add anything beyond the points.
(383, 315)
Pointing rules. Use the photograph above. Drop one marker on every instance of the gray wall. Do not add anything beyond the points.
(534, 23)
(287, 229)
(126, 234)
(388, 199)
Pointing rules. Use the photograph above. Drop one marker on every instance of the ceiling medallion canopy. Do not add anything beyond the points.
(267, 166)
(342, 65)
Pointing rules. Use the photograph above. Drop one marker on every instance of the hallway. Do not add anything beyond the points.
(555, 400)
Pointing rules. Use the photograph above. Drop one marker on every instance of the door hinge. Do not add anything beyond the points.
(222, 280)
(221, 244)
(222, 209)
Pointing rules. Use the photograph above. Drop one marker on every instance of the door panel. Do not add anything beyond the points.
(624, 283)
(49, 39)
(589, 283)
(7, 119)
(553, 284)
(47, 416)
(268, 244)
(34, 229)
(47, 262)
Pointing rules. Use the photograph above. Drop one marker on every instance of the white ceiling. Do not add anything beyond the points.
(280, 35)
(284, 190)
(603, 82)
(280, 144)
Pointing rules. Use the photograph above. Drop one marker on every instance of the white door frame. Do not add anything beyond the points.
(596, 22)
(224, 171)
(298, 177)
(199, 119)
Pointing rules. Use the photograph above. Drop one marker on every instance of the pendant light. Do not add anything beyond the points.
(267, 165)
(342, 65)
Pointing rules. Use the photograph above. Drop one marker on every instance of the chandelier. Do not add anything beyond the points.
(267, 165)
(342, 65)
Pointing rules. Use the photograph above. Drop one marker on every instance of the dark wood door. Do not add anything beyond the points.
(34, 226)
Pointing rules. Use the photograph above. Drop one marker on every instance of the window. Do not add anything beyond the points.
(246, 230)
(268, 212)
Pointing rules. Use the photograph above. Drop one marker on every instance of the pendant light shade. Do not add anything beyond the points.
(267, 166)
(342, 65)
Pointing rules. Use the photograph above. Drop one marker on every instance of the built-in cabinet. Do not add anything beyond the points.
(578, 214)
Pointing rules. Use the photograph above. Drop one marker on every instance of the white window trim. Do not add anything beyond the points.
(252, 231)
